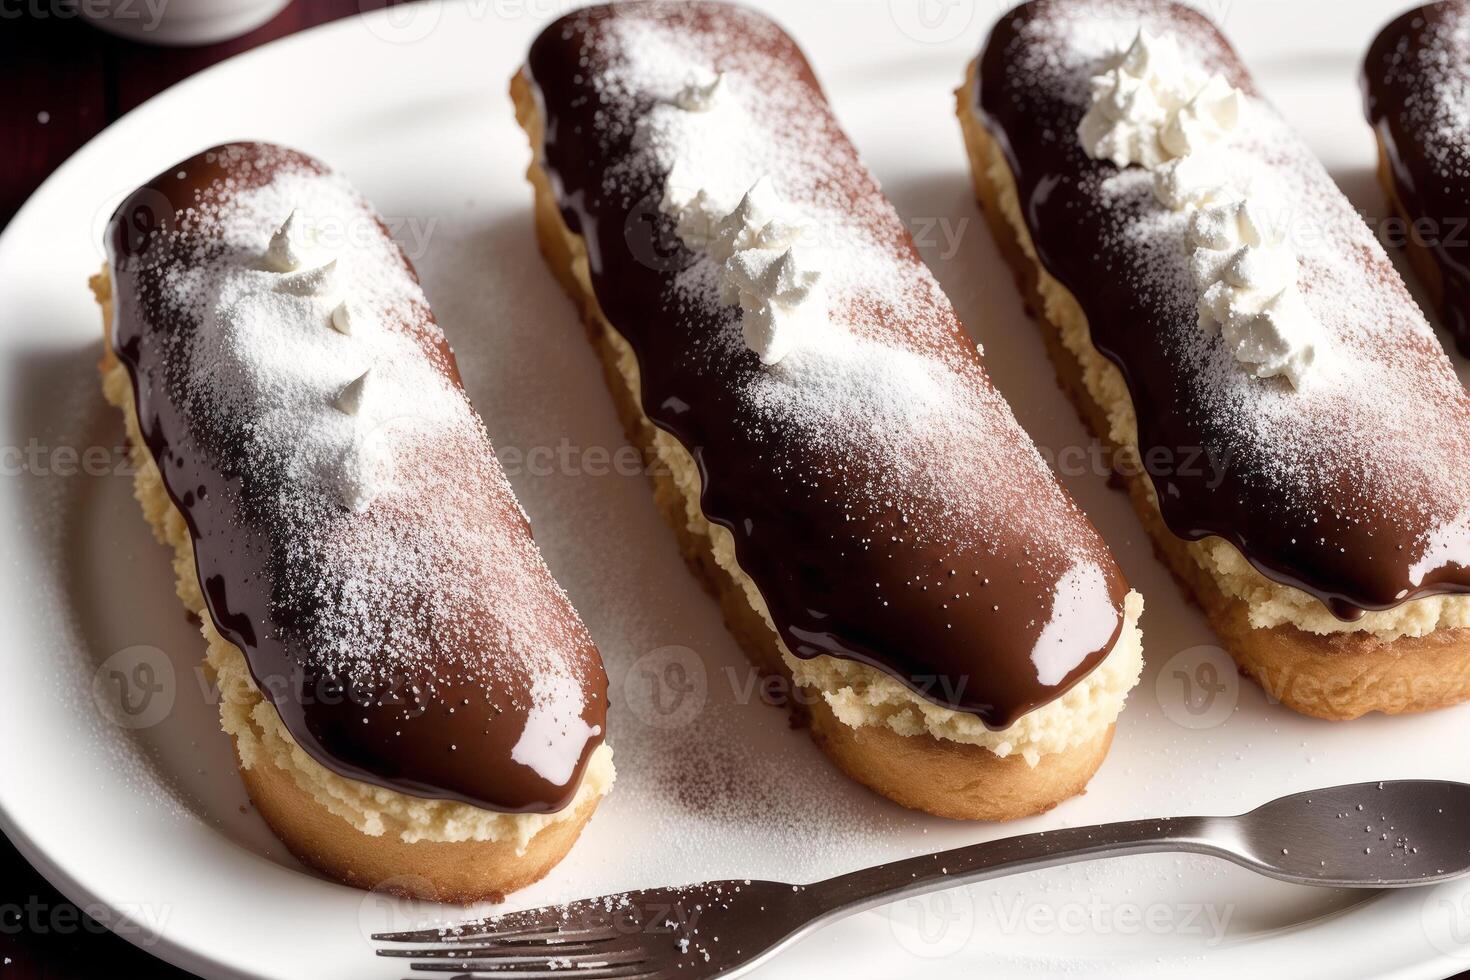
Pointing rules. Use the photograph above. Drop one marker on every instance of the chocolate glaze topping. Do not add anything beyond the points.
(1416, 84)
(1354, 490)
(420, 644)
(935, 547)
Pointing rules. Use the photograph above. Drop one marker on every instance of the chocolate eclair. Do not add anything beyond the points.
(833, 457)
(1416, 89)
(414, 702)
(1294, 437)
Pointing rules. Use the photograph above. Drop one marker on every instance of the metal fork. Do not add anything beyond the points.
(1369, 835)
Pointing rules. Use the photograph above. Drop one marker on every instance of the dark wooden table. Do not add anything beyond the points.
(64, 82)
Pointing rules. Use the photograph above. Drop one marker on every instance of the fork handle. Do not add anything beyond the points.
(889, 882)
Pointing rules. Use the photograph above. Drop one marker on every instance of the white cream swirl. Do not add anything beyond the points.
(285, 253)
(763, 267)
(356, 470)
(1245, 271)
(1149, 107)
(779, 297)
(1206, 120)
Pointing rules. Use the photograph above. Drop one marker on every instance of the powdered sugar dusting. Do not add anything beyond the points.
(1434, 75)
(1370, 435)
(394, 553)
(882, 387)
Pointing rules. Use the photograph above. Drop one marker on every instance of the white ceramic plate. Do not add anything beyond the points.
(146, 824)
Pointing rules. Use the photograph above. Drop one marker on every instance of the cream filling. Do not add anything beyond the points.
(260, 733)
(860, 695)
(1270, 604)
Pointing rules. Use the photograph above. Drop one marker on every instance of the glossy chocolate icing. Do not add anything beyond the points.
(959, 625)
(1403, 76)
(1351, 539)
(442, 726)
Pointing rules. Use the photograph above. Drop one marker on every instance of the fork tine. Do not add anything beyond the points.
(464, 971)
(529, 941)
(579, 919)
(578, 943)
(540, 932)
(574, 955)
(553, 975)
